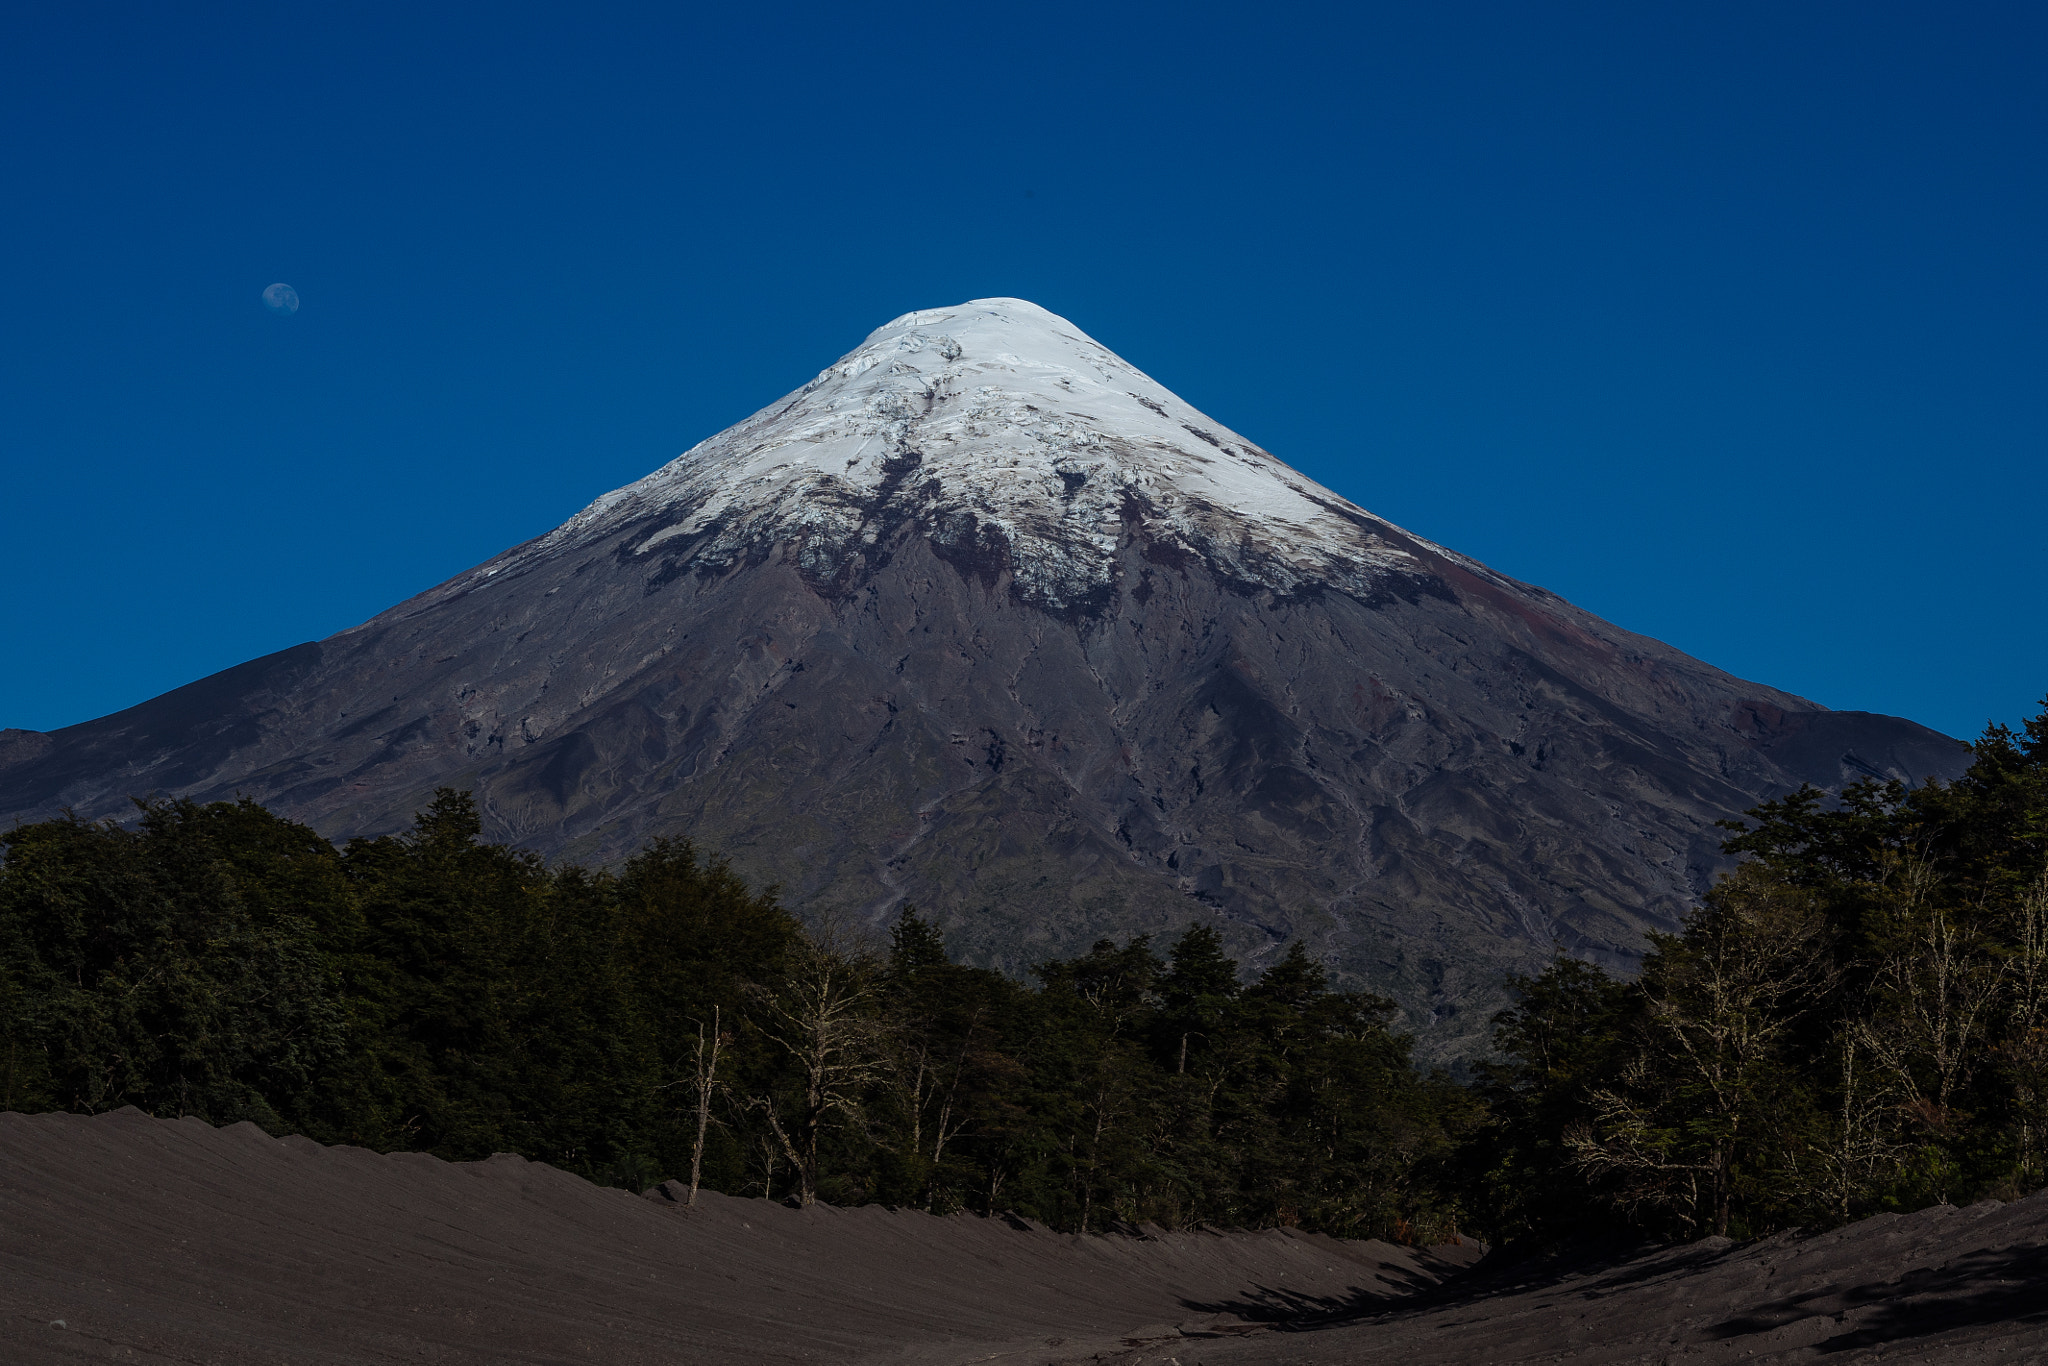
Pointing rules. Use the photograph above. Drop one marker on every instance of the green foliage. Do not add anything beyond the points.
(1855, 1020)
(437, 992)
(429, 991)
(175, 967)
(1558, 1039)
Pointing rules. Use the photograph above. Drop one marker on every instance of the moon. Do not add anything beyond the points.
(281, 298)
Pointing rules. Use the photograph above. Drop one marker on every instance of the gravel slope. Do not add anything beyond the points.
(1956, 1286)
(124, 1238)
(171, 1241)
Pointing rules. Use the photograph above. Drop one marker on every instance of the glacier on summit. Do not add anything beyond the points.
(1013, 441)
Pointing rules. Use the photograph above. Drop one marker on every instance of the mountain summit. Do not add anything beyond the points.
(1018, 447)
(985, 619)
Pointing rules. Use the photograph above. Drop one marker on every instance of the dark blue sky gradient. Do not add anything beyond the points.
(1728, 322)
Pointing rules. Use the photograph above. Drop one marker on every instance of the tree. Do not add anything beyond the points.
(694, 939)
(1677, 1129)
(942, 1024)
(1556, 1042)
(2021, 1055)
(820, 1014)
(706, 1083)
(1196, 993)
(1930, 997)
(434, 990)
(176, 966)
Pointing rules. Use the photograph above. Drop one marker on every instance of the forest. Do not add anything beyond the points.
(1855, 1019)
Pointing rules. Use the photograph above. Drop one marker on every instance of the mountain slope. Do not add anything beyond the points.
(984, 618)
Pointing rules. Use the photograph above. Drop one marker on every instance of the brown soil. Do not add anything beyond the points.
(124, 1238)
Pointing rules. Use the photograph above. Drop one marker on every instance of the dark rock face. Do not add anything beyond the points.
(1436, 776)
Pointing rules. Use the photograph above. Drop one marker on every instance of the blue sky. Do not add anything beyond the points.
(1728, 322)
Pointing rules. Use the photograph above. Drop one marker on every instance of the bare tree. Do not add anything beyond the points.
(707, 1086)
(927, 1067)
(1932, 993)
(2025, 1048)
(1636, 1155)
(822, 1015)
(945, 1126)
(1719, 1001)
(2029, 964)
(1110, 1100)
(1859, 1145)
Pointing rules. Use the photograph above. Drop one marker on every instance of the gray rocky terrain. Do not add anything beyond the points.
(985, 619)
(131, 1239)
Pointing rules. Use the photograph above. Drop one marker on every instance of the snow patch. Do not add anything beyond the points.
(999, 428)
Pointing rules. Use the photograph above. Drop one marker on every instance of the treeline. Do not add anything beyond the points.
(433, 991)
(1856, 1020)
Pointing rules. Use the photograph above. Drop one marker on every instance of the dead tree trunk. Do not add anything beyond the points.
(707, 1085)
(820, 1014)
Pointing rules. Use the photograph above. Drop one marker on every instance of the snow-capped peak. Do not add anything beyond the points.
(1006, 434)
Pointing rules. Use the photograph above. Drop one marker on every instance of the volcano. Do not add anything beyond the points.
(984, 619)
